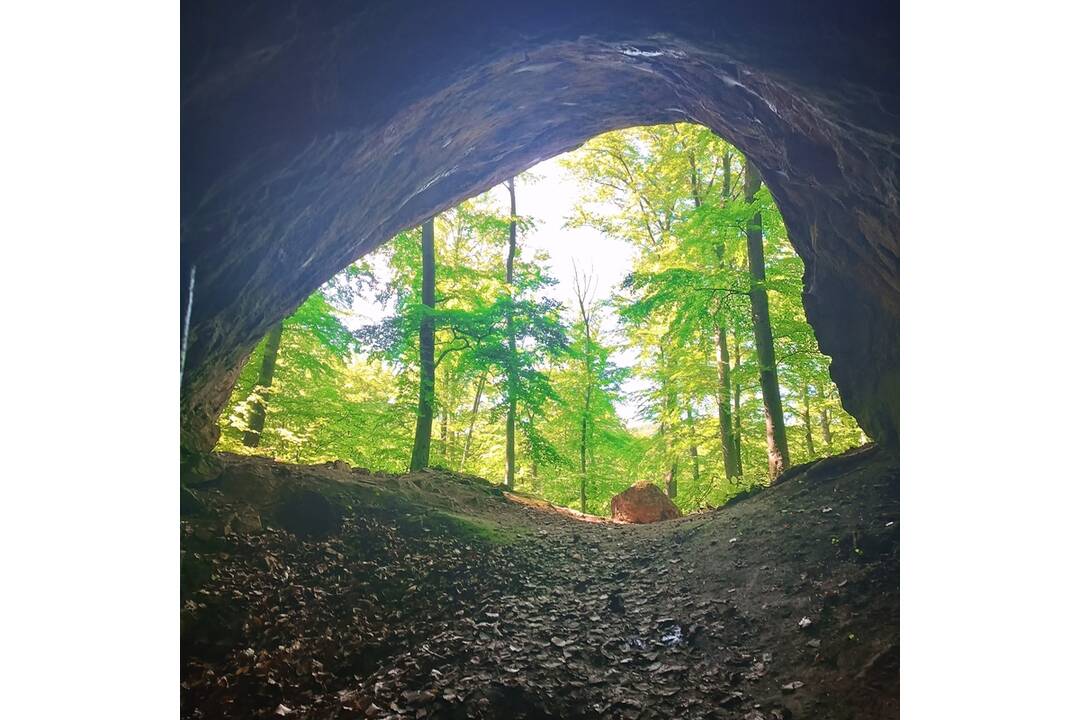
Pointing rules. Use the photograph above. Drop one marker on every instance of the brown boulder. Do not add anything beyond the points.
(643, 502)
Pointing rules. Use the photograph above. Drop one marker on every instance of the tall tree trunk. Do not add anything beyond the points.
(444, 435)
(253, 434)
(672, 477)
(728, 441)
(472, 418)
(826, 429)
(807, 424)
(726, 189)
(512, 389)
(775, 434)
(582, 449)
(581, 290)
(584, 444)
(722, 366)
(448, 383)
(737, 403)
(668, 412)
(695, 466)
(421, 454)
(727, 434)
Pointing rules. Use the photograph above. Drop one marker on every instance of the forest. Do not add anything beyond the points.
(474, 366)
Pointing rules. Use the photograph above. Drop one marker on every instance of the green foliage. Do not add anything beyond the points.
(675, 192)
(323, 399)
(345, 390)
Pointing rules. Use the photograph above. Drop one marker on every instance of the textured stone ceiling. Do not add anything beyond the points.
(312, 132)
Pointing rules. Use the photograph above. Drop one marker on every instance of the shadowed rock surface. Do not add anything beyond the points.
(643, 502)
(311, 133)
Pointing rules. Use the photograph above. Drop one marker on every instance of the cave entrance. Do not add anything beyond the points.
(625, 345)
(309, 139)
(313, 135)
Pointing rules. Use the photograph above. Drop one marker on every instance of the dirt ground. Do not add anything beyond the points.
(434, 595)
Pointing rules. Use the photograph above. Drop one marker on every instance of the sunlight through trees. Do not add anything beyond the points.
(474, 366)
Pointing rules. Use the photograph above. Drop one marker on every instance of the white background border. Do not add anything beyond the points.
(89, 220)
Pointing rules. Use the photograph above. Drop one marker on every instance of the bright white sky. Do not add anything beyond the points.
(549, 199)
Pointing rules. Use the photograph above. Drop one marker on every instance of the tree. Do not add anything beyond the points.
(582, 287)
(688, 307)
(320, 403)
(472, 418)
(728, 435)
(736, 401)
(808, 428)
(728, 438)
(498, 347)
(776, 436)
(266, 378)
(611, 452)
(695, 460)
(426, 409)
(511, 340)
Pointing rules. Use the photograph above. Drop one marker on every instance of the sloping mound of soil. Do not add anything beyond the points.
(435, 596)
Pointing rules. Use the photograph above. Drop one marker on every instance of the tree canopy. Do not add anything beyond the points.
(347, 388)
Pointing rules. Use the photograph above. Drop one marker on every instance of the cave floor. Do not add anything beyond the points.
(442, 597)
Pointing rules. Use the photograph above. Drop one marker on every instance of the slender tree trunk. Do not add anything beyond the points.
(421, 454)
(727, 435)
(724, 394)
(472, 418)
(668, 412)
(807, 424)
(826, 429)
(584, 476)
(511, 467)
(253, 434)
(444, 435)
(726, 189)
(672, 477)
(775, 434)
(581, 290)
(737, 413)
(671, 474)
(511, 405)
(728, 439)
(582, 449)
(695, 466)
(584, 444)
(448, 383)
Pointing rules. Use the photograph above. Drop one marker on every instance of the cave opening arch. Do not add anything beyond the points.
(309, 137)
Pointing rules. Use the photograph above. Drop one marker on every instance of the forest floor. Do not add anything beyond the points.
(434, 595)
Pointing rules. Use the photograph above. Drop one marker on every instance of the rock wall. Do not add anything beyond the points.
(312, 132)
